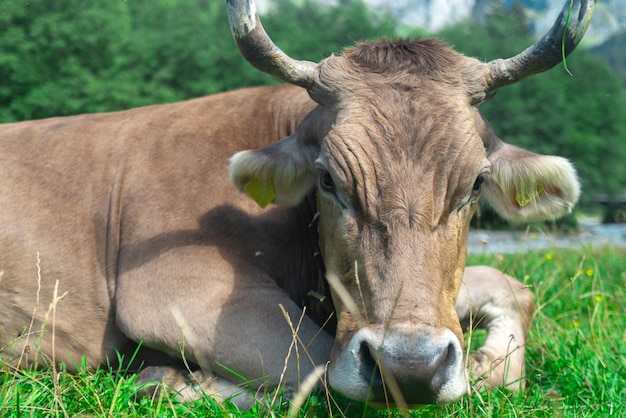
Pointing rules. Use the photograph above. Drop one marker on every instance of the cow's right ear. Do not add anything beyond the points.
(281, 173)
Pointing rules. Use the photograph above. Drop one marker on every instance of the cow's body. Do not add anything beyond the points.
(124, 228)
(104, 177)
(83, 210)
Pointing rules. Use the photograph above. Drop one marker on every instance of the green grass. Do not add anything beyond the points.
(576, 358)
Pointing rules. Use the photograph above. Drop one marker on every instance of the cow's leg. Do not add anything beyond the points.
(503, 306)
(236, 330)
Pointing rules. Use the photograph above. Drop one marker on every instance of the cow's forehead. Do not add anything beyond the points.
(404, 132)
(400, 63)
(400, 148)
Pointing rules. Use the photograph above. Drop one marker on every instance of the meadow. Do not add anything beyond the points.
(576, 359)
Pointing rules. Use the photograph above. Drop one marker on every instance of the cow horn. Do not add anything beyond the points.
(546, 52)
(257, 47)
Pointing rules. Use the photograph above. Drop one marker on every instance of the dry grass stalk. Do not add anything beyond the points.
(32, 319)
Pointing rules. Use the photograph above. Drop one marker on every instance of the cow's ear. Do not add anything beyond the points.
(281, 173)
(524, 186)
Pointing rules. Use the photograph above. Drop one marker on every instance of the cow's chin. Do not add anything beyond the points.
(424, 367)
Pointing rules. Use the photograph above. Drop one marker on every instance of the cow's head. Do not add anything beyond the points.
(400, 155)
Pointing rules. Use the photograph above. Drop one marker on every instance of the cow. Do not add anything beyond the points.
(125, 230)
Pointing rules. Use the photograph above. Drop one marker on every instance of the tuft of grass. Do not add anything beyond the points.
(576, 359)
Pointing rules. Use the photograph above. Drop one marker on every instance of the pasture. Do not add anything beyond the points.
(576, 359)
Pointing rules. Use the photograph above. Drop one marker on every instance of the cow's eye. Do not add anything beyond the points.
(477, 186)
(326, 181)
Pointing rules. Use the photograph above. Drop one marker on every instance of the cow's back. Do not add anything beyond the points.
(79, 191)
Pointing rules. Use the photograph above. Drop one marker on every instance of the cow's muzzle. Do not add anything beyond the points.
(418, 368)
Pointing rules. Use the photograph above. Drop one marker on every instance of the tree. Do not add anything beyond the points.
(187, 48)
(57, 57)
(79, 57)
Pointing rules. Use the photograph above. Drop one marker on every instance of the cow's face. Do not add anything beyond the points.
(400, 156)
(399, 175)
(393, 233)
(399, 161)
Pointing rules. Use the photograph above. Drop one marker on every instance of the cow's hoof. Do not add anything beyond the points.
(190, 386)
(154, 379)
(488, 371)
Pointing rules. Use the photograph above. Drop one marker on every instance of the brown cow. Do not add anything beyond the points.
(123, 228)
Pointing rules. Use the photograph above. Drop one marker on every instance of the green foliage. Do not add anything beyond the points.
(55, 57)
(186, 47)
(101, 56)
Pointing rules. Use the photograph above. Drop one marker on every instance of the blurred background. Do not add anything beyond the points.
(63, 58)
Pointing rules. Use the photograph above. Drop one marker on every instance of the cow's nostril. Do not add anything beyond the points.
(369, 366)
(447, 361)
(451, 355)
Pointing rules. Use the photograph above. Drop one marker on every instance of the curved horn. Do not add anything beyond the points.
(546, 52)
(257, 47)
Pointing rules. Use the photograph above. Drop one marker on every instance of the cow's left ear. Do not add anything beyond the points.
(281, 173)
(524, 186)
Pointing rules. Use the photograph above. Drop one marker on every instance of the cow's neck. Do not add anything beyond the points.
(298, 267)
